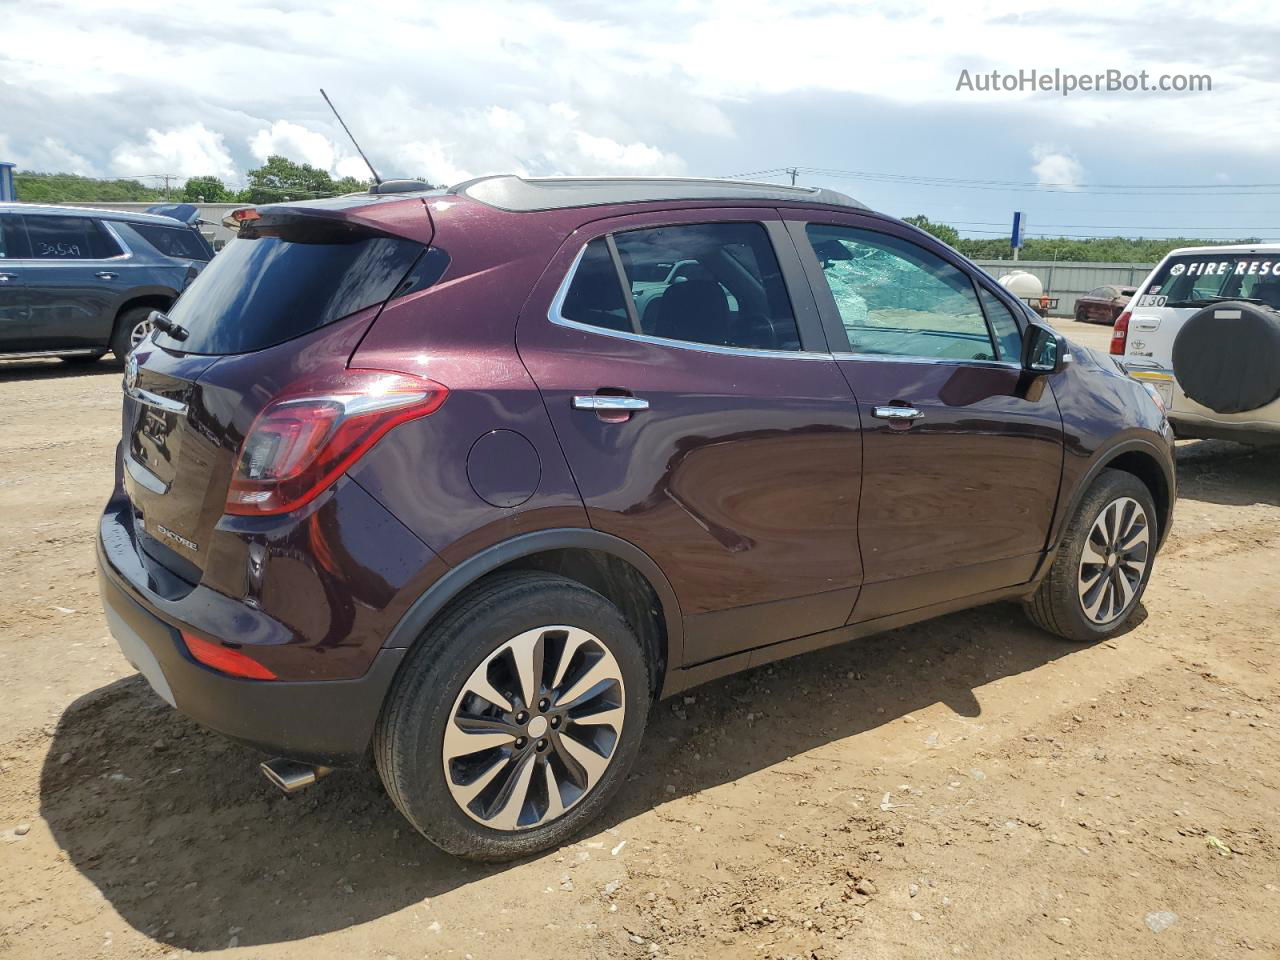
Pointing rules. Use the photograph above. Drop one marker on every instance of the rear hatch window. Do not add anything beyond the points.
(1201, 279)
(285, 276)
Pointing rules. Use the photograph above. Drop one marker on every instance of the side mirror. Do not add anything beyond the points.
(1044, 350)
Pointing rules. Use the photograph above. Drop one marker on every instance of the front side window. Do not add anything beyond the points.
(709, 283)
(9, 238)
(897, 298)
(69, 238)
(1003, 325)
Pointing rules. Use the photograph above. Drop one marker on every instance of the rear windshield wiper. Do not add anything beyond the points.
(161, 321)
(1207, 301)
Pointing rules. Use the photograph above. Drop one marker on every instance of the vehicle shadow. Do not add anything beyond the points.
(1232, 474)
(192, 847)
(17, 371)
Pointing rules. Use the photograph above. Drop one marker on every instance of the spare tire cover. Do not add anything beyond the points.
(1227, 356)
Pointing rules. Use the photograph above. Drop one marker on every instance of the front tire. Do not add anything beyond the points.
(132, 327)
(1103, 563)
(516, 717)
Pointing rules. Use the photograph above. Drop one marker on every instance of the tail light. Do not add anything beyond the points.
(1120, 334)
(224, 659)
(307, 437)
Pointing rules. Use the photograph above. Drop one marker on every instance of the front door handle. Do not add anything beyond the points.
(597, 401)
(896, 413)
(106, 275)
(6, 277)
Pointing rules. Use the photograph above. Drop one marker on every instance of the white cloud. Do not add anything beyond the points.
(47, 154)
(1056, 168)
(460, 87)
(296, 142)
(190, 151)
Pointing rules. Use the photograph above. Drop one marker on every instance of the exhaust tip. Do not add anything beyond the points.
(290, 775)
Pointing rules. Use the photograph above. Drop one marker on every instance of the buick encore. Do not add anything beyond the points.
(464, 480)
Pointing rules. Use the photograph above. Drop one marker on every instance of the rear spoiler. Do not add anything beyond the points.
(182, 212)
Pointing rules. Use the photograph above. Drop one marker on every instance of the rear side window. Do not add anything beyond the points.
(273, 283)
(174, 241)
(69, 238)
(709, 283)
(897, 298)
(1003, 326)
(595, 295)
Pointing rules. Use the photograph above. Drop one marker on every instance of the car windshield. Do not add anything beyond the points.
(1197, 279)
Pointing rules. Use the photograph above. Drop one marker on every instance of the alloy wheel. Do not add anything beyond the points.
(1114, 560)
(140, 332)
(534, 728)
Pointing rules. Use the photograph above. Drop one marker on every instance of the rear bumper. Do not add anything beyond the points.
(1189, 426)
(326, 722)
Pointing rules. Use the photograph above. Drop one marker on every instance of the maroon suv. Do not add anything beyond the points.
(467, 479)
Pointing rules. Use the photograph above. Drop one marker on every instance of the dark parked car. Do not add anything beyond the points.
(75, 283)
(408, 475)
(1103, 304)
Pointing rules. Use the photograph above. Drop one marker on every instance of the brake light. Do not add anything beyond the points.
(237, 217)
(225, 660)
(307, 437)
(1120, 334)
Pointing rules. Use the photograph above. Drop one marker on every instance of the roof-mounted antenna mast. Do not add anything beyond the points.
(376, 179)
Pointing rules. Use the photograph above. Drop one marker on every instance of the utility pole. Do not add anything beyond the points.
(793, 171)
(167, 177)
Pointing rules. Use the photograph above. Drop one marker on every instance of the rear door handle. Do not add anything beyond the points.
(896, 413)
(606, 402)
(106, 275)
(6, 277)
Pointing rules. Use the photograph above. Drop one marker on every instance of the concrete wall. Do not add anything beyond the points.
(1068, 279)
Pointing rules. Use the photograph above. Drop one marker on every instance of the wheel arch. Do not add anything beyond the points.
(157, 299)
(615, 568)
(1136, 456)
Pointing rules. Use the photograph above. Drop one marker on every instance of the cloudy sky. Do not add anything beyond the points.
(450, 90)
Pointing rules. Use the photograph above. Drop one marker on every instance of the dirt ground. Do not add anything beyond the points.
(966, 787)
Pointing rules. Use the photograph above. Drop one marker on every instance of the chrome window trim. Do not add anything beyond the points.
(155, 400)
(556, 317)
(910, 358)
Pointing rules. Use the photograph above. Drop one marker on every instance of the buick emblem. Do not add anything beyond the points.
(131, 372)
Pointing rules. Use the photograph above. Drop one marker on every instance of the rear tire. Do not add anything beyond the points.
(1090, 597)
(132, 326)
(464, 679)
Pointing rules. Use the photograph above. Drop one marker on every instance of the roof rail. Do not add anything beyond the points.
(525, 194)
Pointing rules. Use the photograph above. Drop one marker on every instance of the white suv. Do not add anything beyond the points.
(1204, 330)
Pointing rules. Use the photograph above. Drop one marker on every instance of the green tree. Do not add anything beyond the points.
(947, 234)
(205, 190)
(351, 185)
(282, 179)
(72, 188)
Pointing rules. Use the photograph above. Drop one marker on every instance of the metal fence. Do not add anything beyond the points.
(1067, 280)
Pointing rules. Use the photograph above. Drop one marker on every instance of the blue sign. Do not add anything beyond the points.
(1019, 224)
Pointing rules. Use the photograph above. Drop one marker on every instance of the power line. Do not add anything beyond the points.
(1105, 189)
